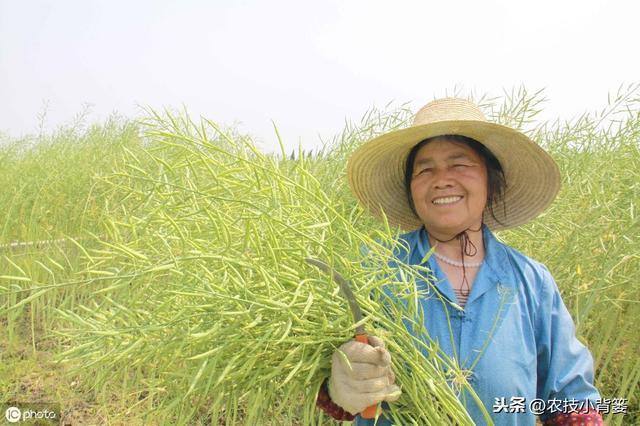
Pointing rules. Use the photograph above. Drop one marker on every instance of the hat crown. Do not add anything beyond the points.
(448, 109)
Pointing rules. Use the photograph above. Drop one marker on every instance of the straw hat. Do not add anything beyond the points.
(376, 169)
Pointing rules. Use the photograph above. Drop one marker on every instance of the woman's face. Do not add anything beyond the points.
(449, 187)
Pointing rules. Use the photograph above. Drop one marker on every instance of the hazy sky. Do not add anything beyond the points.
(306, 65)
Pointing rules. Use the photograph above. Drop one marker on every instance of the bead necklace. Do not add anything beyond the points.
(466, 247)
(456, 263)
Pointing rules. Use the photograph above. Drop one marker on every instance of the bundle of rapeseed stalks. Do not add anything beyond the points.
(205, 305)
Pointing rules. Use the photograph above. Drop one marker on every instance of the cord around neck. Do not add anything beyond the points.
(466, 248)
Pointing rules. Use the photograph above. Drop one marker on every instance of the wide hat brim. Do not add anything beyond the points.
(376, 172)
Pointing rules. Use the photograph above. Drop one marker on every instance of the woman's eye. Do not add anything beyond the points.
(424, 170)
(459, 165)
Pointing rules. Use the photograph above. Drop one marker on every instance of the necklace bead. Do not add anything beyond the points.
(456, 263)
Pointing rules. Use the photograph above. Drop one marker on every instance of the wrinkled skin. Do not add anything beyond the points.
(443, 169)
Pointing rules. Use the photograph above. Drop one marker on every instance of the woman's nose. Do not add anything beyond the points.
(443, 185)
(442, 179)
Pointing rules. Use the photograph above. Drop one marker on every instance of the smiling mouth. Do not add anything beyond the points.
(447, 200)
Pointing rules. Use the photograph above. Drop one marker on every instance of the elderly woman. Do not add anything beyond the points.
(452, 179)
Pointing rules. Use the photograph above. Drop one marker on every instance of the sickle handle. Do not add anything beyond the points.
(370, 411)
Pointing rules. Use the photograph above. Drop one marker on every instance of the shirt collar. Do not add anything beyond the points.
(493, 272)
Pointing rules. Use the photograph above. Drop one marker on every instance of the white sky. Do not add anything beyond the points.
(306, 65)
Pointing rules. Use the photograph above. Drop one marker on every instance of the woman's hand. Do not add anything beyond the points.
(366, 379)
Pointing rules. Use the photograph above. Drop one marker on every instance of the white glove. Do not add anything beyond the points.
(368, 381)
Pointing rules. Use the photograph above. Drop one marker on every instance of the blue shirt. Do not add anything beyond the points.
(514, 306)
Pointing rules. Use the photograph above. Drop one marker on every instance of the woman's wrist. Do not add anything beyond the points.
(325, 403)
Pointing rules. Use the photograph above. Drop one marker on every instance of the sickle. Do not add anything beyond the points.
(361, 336)
(346, 292)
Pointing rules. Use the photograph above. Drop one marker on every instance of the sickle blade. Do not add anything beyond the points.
(345, 288)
